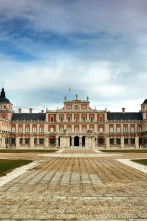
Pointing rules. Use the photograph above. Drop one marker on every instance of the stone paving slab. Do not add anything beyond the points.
(76, 188)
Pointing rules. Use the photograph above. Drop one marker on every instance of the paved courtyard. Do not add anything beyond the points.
(75, 185)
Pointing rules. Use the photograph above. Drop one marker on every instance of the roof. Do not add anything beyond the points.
(28, 116)
(126, 116)
(145, 101)
(4, 101)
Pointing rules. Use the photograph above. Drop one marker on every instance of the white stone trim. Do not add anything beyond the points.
(135, 165)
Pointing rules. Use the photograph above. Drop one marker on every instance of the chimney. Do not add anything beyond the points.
(123, 110)
(19, 110)
(42, 111)
(30, 110)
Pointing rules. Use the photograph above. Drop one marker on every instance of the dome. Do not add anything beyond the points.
(4, 101)
(145, 101)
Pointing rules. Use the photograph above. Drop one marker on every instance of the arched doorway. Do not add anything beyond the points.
(76, 141)
(83, 141)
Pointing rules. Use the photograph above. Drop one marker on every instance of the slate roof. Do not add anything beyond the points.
(28, 116)
(126, 116)
(4, 101)
(145, 101)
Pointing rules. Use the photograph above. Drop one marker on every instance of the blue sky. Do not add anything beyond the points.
(98, 48)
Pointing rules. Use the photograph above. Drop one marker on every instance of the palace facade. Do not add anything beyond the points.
(75, 125)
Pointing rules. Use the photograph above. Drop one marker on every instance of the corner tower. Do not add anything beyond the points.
(6, 108)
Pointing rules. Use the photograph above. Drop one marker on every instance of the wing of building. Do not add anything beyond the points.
(76, 124)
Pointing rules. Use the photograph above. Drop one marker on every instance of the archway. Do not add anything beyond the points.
(76, 141)
(83, 141)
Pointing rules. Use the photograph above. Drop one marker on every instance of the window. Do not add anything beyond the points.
(111, 129)
(118, 129)
(76, 129)
(111, 141)
(101, 119)
(132, 129)
(52, 141)
(91, 128)
(118, 140)
(27, 129)
(52, 119)
(61, 119)
(132, 140)
(35, 140)
(41, 130)
(52, 130)
(27, 140)
(139, 129)
(13, 129)
(101, 140)
(101, 130)
(68, 119)
(61, 129)
(34, 129)
(76, 119)
(83, 119)
(68, 129)
(41, 141)
(20, 130)
(125, 129)
(126, 141)
(91, 118)
(84, 129)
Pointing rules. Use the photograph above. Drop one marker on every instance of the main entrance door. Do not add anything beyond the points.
(76, 141)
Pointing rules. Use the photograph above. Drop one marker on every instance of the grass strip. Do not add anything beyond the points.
(141, 161)
(8, 165)
(25, 151)
(126, 151)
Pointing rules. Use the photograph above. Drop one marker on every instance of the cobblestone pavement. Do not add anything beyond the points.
(76, 188)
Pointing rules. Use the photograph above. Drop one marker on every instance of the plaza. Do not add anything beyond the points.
(75, 185)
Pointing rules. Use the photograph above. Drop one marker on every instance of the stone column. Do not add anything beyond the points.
(23, 129)
(72, 128)
(46, 142)
(137, 142)
(80, 117)
(95, 127)
(96, 141)
(57, 141)
(72, 141)
(17, 142)
(23, 140)
(80, 141)
(31, 129)
(37, 140)
(31, 142)
(80, 128)
(16, 128)
(122, 142)
(107, 143)
(3, 142)
(87, 126)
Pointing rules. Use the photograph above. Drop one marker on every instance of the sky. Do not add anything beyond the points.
(97, 47)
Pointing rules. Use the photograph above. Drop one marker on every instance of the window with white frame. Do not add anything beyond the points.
(111, 129)
(118, 129)
(101, 130)
(132, 129)
(52, 129)
(41, 129)
(27, 129)
(61, 129)
(91, 128)
(76, 129)
(13, 129)
(83, 119)
(84, 129)
(91, 118)
(76, 119)
(139, 129)
(68, 129)
(101, 119)
(34, 129)
(61, 119)
(68, 119)
(20, 130)
(52, 119)
(125, 129)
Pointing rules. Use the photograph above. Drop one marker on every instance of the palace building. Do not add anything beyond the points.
(75, 125)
